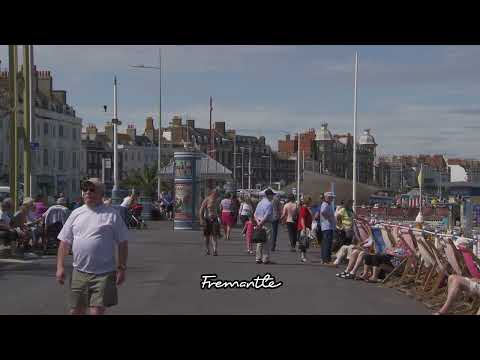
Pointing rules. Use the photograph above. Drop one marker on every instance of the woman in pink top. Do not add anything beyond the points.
(228, 216)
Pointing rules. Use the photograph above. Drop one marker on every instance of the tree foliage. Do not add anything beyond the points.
(145, 181)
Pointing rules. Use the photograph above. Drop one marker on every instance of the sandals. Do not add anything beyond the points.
(347, 276)
(340, 274)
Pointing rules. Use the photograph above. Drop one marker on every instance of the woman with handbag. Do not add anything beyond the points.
(289, 217)
(304, 227)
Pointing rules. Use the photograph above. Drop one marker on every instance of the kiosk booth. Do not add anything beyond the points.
(191, 173)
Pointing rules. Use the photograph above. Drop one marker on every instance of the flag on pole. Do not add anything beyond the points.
(420, 177)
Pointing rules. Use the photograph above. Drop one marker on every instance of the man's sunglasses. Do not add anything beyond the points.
(87, 188)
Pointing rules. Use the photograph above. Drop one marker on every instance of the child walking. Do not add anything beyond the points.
(248, 234)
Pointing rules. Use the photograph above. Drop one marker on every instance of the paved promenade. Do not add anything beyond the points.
(164, 277)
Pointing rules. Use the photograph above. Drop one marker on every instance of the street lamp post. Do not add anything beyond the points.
(13, 92)
(298, 169)
(270, 157)
(235, 162)
(243, 161)
(354, 175)
(159, 68)
(250, 168)
(115, 122)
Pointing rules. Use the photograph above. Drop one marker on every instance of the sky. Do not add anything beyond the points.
(415, 99)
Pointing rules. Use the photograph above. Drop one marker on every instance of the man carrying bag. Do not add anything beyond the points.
(264, 217)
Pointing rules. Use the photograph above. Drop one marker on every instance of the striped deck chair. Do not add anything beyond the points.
(384, 241)
(455, 258)
(392, 234)
(404, 239)
(433, 269)
(442, 265)
(380, 245)
(388, 237)
(471, 261)
(361, 231)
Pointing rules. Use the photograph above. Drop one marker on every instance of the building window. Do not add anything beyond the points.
(74, 160)
(139, 158)
(60, 130)
(53, 131)
(74, 134)
(132, 157)
(60, 160)
(45, 129)
(45, 157)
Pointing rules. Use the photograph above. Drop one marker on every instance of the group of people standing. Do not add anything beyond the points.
(304, 223)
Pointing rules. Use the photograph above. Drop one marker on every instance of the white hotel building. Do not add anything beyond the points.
(57, 130)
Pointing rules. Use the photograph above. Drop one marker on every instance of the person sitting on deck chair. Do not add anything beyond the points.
(378, 260)
(54, 219)
(7, 231)
(456, 284)
(345, 252)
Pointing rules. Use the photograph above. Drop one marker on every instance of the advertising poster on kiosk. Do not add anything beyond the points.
(183, 168)
(184, 201)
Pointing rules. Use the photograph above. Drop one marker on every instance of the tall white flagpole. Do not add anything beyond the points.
(32, 109)
(421, 185)
(354, 190)
(298, 169)
(159, 180)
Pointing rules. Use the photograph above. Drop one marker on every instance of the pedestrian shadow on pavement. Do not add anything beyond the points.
(235, 255)
(165, 243)
(276, 263)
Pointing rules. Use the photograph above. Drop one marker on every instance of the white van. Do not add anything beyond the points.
(5, 192)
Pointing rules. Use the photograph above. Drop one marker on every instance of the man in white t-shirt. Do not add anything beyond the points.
(93, 231)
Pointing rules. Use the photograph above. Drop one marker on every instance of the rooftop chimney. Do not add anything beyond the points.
(220, 127)
(149, 123)
(177, 121)
(44, 83)
(132, 131)
(91, 132)
(109, 131)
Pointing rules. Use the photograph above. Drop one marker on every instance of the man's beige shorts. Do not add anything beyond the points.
(91, 290)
